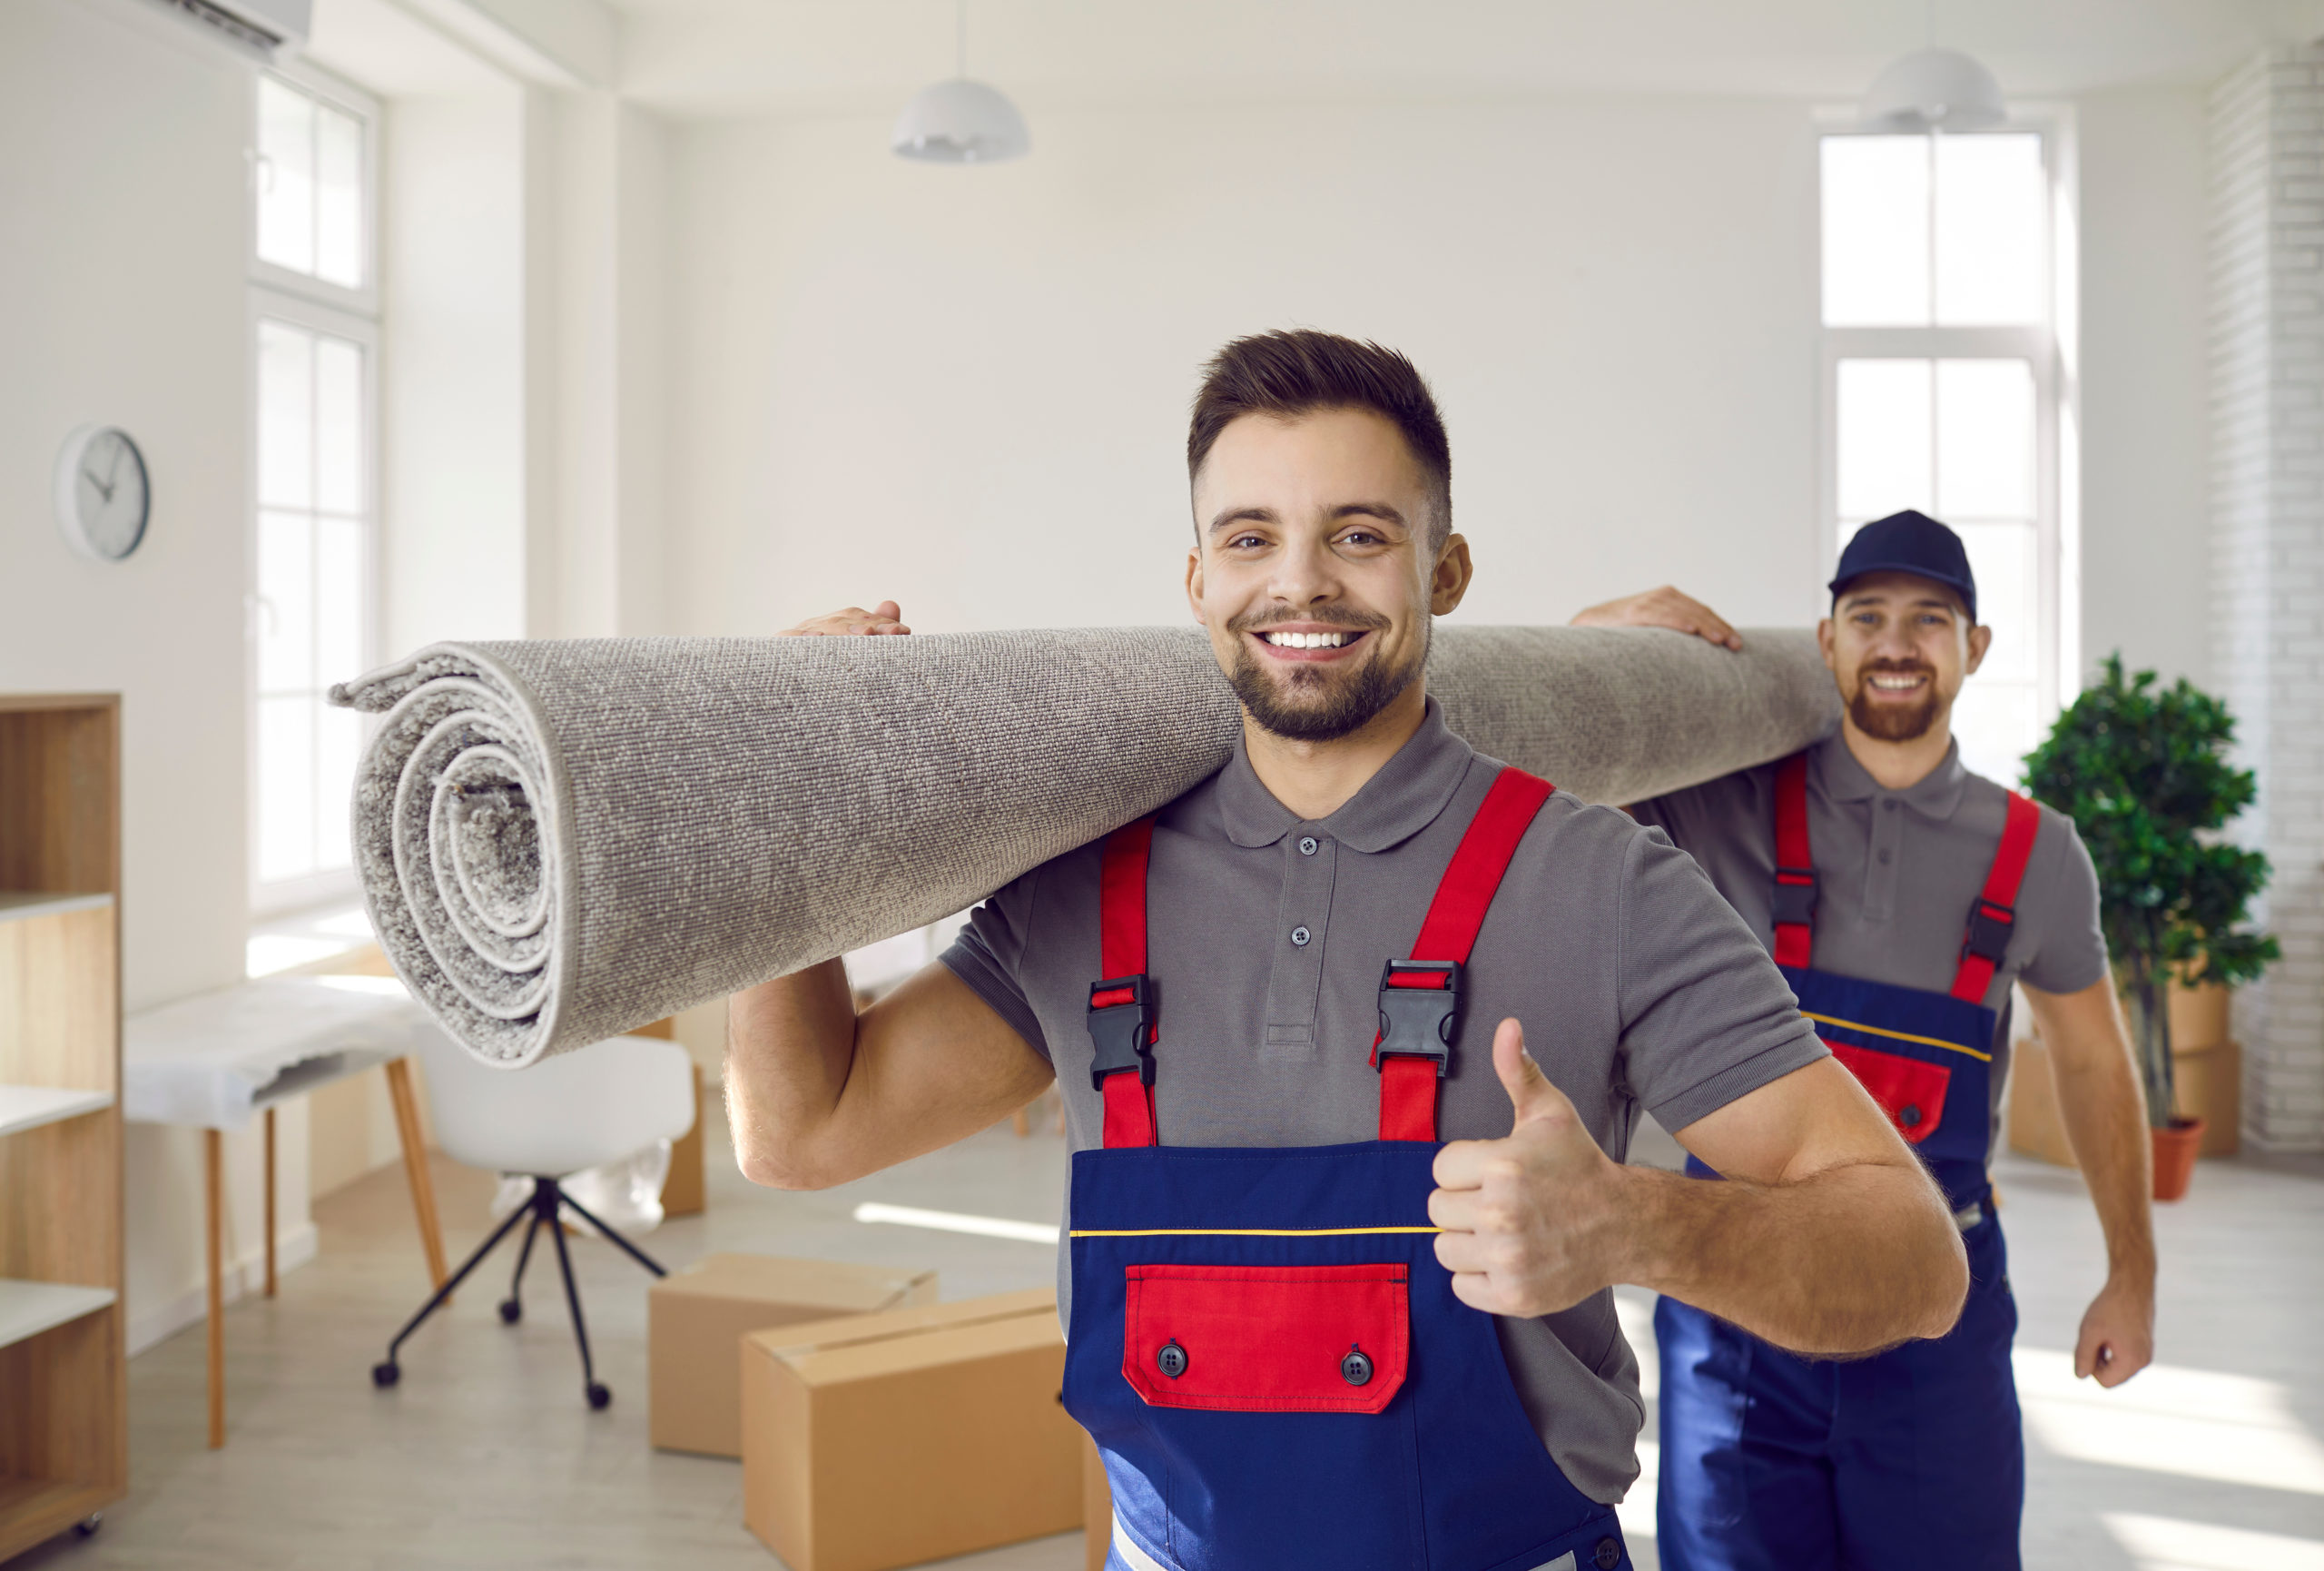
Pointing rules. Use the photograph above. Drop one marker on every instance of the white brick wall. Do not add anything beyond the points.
(2267, 331)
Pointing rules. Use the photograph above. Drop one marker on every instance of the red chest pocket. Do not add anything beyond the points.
(1912, 1092)
(1267, 1338)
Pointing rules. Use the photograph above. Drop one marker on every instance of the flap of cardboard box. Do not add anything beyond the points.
(836, 1285)
(826, 1351)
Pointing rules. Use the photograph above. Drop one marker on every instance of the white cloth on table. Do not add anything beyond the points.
(211, 1061)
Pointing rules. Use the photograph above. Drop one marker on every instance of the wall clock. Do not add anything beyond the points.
(102, 495)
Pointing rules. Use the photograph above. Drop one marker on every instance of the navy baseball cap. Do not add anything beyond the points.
(1909, 542)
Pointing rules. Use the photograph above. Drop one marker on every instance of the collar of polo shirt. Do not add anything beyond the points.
(1935, 794)
(1396, 803)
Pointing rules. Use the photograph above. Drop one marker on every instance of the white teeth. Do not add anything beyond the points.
(1896, 683)
(1306, 640)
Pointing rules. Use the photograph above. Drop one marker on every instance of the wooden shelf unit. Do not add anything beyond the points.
(64, 1418)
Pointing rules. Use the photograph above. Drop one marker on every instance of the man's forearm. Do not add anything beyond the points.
(1842, 1263)
(790, 1046)
(2104, 1110)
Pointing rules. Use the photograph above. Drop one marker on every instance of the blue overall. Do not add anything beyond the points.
(1913, 1457)
(1263, 1344)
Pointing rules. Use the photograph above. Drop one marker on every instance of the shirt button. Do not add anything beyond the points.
(1889, 804)
(1884, 859)
(1307, 844)
(1300, 935)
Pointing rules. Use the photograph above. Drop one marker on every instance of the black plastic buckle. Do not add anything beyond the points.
(1989, 929)
(1122, 1033)
(1795, 897)
(1419, 1022)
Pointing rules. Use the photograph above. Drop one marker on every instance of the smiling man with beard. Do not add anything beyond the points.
(1339, 1246)
(1902, 896)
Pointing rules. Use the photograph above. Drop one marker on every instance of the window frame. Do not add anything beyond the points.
(353, 100)
(2042, 345)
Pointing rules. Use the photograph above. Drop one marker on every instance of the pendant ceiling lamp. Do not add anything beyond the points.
(960, 121)
(1933, 89)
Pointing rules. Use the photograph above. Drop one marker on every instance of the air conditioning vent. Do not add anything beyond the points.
(262, 27)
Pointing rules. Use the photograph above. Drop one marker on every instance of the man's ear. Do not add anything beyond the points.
(1981, 639)
(1827, 644)
(1194, 584)
(1449, 585)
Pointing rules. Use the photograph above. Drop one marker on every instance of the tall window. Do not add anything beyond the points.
(314, 326)
(1942, 380)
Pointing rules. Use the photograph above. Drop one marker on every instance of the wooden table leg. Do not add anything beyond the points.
(213, 1184)
(269, 1203)
(414, 1167)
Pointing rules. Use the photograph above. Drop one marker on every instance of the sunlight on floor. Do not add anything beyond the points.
(2195, 1423)
(2163, 1543)
(1637, 1509)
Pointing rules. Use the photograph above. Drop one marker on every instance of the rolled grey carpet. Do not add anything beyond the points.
(562, 840)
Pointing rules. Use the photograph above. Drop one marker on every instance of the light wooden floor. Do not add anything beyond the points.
(486, 1455)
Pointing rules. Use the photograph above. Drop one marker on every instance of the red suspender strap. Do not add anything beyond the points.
(1415, 1043)
(1121, 1006)
(1995, 911)
(1795, 891)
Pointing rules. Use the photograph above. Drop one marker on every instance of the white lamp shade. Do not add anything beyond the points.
(1934, 89)
(960, 121)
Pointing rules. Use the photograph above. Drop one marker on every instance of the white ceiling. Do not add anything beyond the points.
(801, 58)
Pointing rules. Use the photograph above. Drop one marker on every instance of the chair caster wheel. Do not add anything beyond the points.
(511, 1312)
(600, 1397)
(385, 1375)
(87, 1527)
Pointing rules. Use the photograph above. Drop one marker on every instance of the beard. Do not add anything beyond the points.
(1892, 722)
(1304, 702)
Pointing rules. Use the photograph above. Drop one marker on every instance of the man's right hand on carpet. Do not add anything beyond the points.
(1663, 608)
(884, 617)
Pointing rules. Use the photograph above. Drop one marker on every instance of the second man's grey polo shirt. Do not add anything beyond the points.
(1637, 984)
(1896, 874)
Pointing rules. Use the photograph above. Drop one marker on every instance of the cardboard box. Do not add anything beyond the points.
(684, 1192)
(1096, 1506)
(683, 1189)
(2031, 1115)
(696, 1319)
(885, 1440)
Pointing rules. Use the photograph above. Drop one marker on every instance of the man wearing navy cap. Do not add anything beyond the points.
(1902, 896)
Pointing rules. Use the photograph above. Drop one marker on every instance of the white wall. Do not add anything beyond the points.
(2145, 393)
(610, 342)
(455, 428)
(122, 300)
(967, 388)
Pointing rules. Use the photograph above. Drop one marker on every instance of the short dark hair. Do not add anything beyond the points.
(1296, 372)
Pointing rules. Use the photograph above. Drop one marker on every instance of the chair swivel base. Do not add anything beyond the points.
(541, 1210)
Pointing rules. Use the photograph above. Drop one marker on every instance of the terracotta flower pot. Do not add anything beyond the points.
(2175, 1149)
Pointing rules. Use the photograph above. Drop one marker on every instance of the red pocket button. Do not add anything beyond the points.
(1267, 1338)
(1912, 1091)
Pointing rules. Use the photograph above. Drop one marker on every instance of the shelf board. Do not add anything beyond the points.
(24, 1107)
(17, 904)
(34, 1509)
(28, 1309)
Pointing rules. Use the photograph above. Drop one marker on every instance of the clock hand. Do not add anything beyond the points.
(104, 489)
(113, 471)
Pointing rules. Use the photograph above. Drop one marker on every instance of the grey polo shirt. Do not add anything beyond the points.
(1896, 874)
(1638, 986)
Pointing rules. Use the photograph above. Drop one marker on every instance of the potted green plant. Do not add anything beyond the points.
(2145, 776)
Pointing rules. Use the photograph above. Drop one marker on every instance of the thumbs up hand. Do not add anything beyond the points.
(1530, 1222)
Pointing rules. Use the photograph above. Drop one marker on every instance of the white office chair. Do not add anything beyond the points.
(577, 1110)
